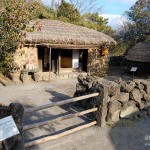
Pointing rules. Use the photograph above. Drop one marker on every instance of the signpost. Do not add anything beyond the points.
(8, 128)
(133, 70)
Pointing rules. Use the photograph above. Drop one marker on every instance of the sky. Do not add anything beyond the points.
(113, 10)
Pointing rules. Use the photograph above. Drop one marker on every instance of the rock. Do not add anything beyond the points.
(147, 104)
(114, 117)
(123, 97)
(17, 111)
(141, 105)
(146, 86)
(108, 99)
(113, 110)
(90, 79)
(148, 111)
(80, 88)
(143, 114)
(129, 110)
(141, 87)
(136, 95)
(145, 83)
(142, 92)
(112, 87)
(36, 77)
(127, 86)
(80, 79)
(147, 97)
(101, 118)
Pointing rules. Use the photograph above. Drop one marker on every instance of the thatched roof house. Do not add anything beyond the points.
(140, 52)
(55, 46)
(60, 34)
(139, 56)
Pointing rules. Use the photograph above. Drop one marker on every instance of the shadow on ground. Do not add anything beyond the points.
(132, 133)
(47, 114)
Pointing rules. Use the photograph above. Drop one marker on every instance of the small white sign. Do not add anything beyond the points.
(133, 69)
(8, 128)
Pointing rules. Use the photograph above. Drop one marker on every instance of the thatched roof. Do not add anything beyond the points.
(140, 52)
(56, 33)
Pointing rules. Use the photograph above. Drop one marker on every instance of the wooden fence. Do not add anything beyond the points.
(56, 120)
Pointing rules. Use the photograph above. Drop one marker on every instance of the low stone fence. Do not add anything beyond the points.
(118, 99)
(16, 111)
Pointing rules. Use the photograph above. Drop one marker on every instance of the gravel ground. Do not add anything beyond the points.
(133, 137)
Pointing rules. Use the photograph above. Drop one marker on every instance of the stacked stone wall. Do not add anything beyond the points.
(97, 64)
(117, 99)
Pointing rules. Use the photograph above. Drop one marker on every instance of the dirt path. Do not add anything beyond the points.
(94, 138)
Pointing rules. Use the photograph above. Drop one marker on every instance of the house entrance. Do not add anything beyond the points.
(43, 59)
(83, 58)
(66, 59)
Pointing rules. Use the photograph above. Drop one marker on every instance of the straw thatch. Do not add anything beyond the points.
(140, 52)
(60, 34)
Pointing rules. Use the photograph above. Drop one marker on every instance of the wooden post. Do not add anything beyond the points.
(29, 110)
(50, 51)
(56, 120)
(48, 138)
(58, 61)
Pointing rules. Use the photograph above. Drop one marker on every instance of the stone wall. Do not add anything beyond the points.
(24, 55)
(118, 99)
(16, 111)
(97, 64)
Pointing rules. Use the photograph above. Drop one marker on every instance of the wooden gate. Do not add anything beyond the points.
(56, 120)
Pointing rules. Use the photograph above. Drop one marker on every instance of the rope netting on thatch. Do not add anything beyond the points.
(62, 33)
(140, 52)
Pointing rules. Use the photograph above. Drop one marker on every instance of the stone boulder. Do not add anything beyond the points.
(136, 95)
(112, 87)
(113, 110)
(145, 83)
(129, 110)
(127, 86)
(122, 97)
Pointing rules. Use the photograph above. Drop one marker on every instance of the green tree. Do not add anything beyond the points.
(14, 15)
(68, 12)
(97, 22)
(44, 12)
(138, 27)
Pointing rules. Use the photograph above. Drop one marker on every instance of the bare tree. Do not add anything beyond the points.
(86, 6)
(83, 6)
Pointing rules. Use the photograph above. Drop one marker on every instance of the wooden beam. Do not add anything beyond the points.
(33, 109)
(48, 138)
(56, 120)
(50, 57)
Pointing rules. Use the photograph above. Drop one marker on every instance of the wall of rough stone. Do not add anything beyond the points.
(16, 111)
(118, 99)
(97, 64)
(25, 54)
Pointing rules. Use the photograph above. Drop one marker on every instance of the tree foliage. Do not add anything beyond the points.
(137, 29)
(97, 22)
(14, 15)
(68, 12)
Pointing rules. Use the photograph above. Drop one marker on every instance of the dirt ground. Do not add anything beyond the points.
(133, 136)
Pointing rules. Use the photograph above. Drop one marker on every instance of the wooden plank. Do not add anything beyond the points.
(48, 138)
(56, 120)
(33, 109)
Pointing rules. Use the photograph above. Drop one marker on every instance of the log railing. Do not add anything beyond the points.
(56, 120)
(29, 110)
